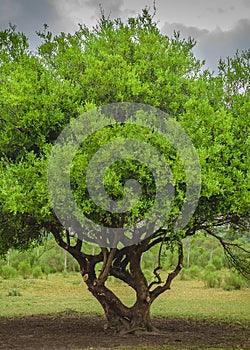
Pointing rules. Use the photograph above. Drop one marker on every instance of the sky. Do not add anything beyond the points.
(220, 27)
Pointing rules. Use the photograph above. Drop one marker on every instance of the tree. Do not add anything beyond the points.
(120, 62)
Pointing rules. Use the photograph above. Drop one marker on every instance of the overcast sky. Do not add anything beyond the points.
(220, 27)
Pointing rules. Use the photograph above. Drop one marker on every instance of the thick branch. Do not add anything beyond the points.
(109, 300)
(123, 275)
(135, 268)
(68, 238)
(107, 266)
(105, 258)
(119, 267)
(78, 245)
(120, 255)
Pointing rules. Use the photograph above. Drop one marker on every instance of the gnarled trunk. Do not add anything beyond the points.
(124, 264)
(121, 318)
(141, 316)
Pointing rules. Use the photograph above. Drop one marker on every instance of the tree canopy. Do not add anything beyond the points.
(114, 62)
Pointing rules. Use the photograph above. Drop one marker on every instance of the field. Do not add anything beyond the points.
(59, 313)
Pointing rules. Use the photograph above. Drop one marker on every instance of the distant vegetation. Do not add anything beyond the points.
(204, 260)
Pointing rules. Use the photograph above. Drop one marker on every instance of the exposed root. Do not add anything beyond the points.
(131, 330)
(141, 330)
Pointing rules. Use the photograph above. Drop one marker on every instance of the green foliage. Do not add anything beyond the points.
(202, 250)
(14, 293)
(41, 260)
(8, 272)
(24, 269)
(210, 268)
(148, 275)
(212, 279)
(193, 272)
(37, 272)
(217, 262)
(233, 281)
(52, 260)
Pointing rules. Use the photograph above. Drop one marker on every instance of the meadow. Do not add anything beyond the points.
(66, 293)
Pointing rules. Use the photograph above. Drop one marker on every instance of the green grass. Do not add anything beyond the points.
(68, 294)
(189, 299)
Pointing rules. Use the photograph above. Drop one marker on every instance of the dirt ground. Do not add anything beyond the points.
(81, 332)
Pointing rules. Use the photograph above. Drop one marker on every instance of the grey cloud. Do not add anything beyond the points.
(185, 31)
(213, 45)
(220, 44)
(110, 7)
(246, 3)
(223, 11)
(8, 9)
(28, 15)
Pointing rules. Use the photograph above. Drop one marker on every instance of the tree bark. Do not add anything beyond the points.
(124, 264)
(121, 318)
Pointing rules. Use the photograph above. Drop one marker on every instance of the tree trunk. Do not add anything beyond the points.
(120, 318)
(141, 319)
(124, 264)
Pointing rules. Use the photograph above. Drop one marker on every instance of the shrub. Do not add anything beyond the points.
(37, 272)
(184, 274)
(218, 262)
(53, 259)
(212, 279)
(24, 269)
(201, 258)
(210, 268)
(72, 264)
(8, 272)
(193, 271)
(45, 269)
(233, 281)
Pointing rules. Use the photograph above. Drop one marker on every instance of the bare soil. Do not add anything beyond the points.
(82, 332)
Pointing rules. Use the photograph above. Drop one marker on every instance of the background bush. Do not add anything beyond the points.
(8, 272)
(37, 272)
(212, 279)
(24, 269)
(233, 281)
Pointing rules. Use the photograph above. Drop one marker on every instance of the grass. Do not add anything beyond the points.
(189, 299)
(68, 294)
